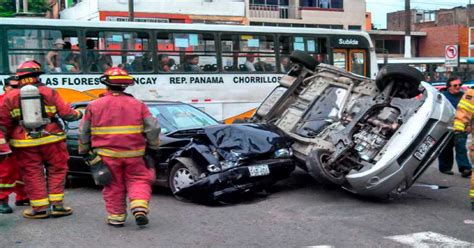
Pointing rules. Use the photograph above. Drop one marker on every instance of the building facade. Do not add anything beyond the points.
(439, 28)
(183, 11)
(337, 14)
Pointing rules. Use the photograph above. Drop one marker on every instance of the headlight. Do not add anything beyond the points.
(228, 164)
(213, 168)
(284, 153)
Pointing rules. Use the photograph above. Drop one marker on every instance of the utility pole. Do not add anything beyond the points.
(131, 14)
(407, 29)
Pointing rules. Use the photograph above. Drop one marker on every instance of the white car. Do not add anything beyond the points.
(372, 137)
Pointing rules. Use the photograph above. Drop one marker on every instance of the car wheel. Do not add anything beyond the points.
(321, 171)
(406, 80)
(300, 57)
(182, 176)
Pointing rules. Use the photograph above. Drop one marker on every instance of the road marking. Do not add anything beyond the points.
(429, 239)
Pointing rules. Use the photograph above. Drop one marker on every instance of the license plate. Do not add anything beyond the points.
(259, 170)
(420, 153)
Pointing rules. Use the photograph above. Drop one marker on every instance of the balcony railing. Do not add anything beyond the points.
(274, 11)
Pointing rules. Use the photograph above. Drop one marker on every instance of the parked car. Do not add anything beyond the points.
(371, 137)
(203, 160)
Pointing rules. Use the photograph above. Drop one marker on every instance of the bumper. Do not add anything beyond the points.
(219, 186)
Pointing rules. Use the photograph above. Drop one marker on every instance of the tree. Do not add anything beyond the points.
(8, 7)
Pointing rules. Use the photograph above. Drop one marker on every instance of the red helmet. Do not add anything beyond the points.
(116, 76)
(30, 68)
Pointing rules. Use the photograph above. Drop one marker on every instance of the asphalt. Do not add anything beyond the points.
(298, 213)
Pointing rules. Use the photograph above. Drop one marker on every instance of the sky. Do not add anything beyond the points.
(380, 8)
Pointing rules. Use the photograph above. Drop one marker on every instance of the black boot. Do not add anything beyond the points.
(33, 214)
(60, 210)
(5, 208)
(141, 218)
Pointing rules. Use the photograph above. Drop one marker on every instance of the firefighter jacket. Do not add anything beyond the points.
(118, 125)
(4, 147)
(464, 111)
(10, 117)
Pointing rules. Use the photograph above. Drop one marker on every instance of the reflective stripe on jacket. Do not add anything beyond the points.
(10, 116)
(464, 111)
(116, 125)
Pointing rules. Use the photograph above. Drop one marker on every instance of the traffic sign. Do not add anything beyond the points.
(451, 55)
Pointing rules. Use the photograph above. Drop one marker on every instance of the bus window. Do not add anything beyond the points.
(127, 50)
(186, 52)
(316, 47)
(248, 53)
(56, 50)
(357, 62)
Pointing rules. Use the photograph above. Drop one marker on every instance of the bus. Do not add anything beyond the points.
(222, 69)
(434, 69)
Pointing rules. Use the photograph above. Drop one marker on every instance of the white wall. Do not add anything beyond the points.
(189, 7)
(87, 10)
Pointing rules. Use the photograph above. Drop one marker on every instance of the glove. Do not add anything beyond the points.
(100, 172)
(3, 157)
(151, 158)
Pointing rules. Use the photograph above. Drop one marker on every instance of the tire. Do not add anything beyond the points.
(180, 176)
(320, 171)
(300, 57)
(407, 80)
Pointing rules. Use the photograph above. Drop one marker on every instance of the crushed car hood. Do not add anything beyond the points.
(242, 141)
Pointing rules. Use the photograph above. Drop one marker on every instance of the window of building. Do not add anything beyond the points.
(56, 50)
(269, 2)
(186, 52)
(322, 4)
(127, 50)
(389, 46)
(251, 53)
(355, 27)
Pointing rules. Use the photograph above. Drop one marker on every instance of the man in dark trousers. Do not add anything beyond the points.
(454, 94)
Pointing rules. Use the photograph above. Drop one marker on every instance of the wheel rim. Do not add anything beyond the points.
(182, 178)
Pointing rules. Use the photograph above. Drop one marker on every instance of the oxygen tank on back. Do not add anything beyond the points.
(31, 108)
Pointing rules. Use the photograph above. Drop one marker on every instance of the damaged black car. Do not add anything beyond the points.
(225, 160)
(202, 160)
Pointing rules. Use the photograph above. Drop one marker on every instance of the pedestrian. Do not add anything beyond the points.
(454, 94)
(118, 128)
(29, 116)
(10, 178)
(462, 120)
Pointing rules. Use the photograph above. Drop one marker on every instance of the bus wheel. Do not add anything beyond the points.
(300, 57)
(406, 80)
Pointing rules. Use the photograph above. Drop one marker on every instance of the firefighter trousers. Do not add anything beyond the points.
(42, 189)
(132, 177)
(10, 180)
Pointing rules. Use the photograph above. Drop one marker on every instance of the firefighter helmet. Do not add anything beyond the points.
(116, 76)
(30, 68)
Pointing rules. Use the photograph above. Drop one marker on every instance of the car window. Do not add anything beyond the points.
(174, 117)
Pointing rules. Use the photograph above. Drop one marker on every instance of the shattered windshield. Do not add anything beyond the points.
(174, 117)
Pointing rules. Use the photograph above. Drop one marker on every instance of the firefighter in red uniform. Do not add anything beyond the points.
(118, 128)
(29, 114)
(462, 120)
(10, 179)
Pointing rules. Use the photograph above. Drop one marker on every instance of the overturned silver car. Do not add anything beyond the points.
(372, 137)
